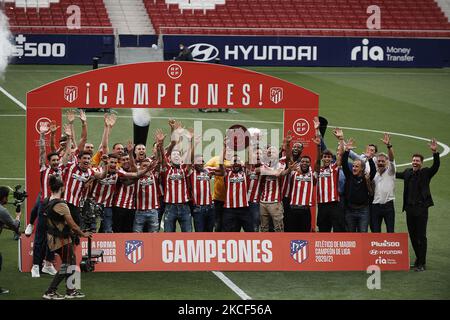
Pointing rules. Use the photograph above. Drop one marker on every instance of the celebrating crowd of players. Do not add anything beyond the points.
(143, 190)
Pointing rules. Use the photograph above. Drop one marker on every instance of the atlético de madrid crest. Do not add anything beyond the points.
(134, 250)
(276, 94)
(299, 250)
(70, 93)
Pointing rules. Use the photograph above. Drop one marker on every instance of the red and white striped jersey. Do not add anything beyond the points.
(125, 192)
(236, 187)
(328, 184)
(46, 172)
(103, 190)
(74, 182)
(176, 190)
(200, 182)
(271, 188)
(302, 188)
(253, 185)
(147, 192)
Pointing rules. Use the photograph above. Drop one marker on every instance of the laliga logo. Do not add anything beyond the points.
(204, 52)
(374, 53)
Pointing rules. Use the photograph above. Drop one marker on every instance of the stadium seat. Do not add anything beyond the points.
(423, 16)
(42, 14)
(305, 14)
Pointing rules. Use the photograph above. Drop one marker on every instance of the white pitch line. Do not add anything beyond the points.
(443, 145)
(6, 93)
(230, 284)
(15, 179)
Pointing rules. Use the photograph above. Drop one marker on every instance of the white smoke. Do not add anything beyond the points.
(6, 48)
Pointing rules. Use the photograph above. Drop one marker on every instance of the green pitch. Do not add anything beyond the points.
(412, 102)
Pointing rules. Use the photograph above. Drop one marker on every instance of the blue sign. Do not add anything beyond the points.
(62, 49)
(312, 51)
(132, 40)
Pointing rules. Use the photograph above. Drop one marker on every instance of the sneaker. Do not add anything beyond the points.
(4, 291)
(49, 269)
(29, 230)
(74, 294)
(53, 296)
(419, 269)
(35, 271)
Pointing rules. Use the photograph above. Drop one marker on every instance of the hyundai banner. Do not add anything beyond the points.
(62, 49)
(312, 51)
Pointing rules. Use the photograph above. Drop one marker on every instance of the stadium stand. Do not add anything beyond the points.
(400, 18)
(50, 16)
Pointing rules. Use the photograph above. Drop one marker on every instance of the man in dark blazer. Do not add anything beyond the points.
(416, 201)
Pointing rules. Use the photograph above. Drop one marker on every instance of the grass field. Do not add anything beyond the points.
(414, 102)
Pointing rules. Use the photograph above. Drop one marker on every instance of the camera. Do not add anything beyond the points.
(19, 196)
(89, 213)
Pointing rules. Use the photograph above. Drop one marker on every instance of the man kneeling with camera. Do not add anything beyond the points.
(60, 230)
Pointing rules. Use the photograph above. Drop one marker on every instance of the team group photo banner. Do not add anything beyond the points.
(239, 251)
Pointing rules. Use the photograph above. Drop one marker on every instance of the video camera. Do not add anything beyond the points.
(19, 196)
(89, 214)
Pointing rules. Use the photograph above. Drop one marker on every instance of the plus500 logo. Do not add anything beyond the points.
(34, 49)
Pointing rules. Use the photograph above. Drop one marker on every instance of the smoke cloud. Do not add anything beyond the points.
(6, 48)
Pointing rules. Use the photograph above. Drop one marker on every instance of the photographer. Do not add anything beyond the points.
(185, 54)
(60, 230)
(6, 221)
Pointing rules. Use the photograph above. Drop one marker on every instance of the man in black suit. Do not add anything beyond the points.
(416, 201)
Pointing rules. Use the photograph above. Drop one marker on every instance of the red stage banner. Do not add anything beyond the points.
(168, 85)
(242, 251)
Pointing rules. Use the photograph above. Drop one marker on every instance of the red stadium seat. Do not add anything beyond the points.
(94, 14)
(397, 15)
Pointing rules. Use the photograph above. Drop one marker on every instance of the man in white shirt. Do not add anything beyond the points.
(383, 198)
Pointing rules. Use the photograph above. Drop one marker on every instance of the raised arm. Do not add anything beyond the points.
(104, 148)
(67, 149)
(387, 141)
(53, 128)
(174, 135)
(345, 168)
(130, 149)
(317, 141)
(43, 129)
(436, 160)
(84, 133)
(287, 146)
(70, 119)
